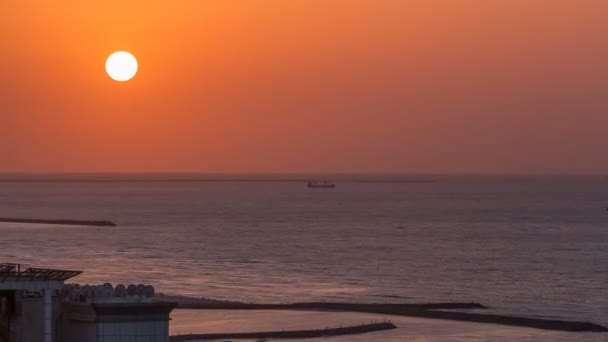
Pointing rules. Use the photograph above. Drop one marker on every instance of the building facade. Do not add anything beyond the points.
(36, 306)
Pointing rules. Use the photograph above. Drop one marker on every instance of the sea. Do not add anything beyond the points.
(534, 246)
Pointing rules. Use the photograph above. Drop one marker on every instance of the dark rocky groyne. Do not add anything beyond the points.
(293, 334)
(538, 323)
(430, 310)
(60, 222)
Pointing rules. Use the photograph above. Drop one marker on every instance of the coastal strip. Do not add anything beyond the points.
(429, 310)
(289, 334)
(60, 222)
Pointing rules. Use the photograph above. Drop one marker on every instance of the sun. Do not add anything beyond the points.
(121, 66)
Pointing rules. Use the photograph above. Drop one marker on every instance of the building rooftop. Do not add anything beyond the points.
(12, 275)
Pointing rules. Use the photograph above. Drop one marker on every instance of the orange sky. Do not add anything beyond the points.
(499, 86)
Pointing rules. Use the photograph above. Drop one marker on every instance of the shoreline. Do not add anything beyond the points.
(420, 310)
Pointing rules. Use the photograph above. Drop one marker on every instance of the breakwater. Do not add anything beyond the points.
(538, 323)
(60, 222)
(428, 310)
(292, 334)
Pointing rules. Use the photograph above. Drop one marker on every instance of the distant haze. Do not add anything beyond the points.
(302, 86)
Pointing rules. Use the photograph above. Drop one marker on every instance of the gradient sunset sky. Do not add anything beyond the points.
(399, 86)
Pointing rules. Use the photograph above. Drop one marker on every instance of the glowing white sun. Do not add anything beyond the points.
(121, 66)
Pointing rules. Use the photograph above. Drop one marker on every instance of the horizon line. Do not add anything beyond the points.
(201, 177)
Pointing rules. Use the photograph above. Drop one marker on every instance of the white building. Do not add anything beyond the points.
(115, 321)
(34, 309)
(26, 302)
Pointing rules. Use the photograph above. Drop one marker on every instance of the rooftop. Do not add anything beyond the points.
(19, 273)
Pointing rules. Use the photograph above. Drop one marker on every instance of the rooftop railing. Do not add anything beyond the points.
(22, 272)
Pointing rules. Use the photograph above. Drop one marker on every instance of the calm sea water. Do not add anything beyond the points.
(526, 245)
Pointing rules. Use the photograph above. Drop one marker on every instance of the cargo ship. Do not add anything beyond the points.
(321, 185)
